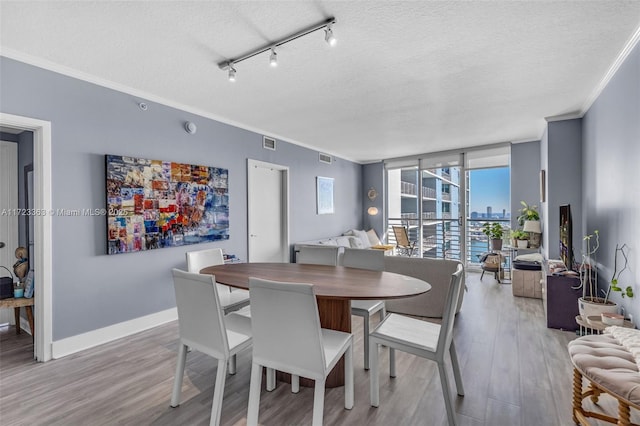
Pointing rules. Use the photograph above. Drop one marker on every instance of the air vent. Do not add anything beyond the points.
(268, 143)
(325, 158)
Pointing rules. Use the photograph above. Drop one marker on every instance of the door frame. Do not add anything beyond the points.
(43, 262)
(284, 219)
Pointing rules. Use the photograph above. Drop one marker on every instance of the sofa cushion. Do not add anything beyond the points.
(328, 242)
(343, 241)
(361, 235)
(356, 242)
(373, 238)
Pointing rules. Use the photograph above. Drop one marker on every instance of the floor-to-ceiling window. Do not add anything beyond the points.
(438, 198)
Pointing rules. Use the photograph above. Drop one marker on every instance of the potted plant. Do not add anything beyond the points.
(520, 237)
(494, 232)
(590, 304)
(613, 282)
(528, 212)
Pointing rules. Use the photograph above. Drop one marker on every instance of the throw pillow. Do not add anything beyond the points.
(356, 242)
(343, 241)
(373, 237)
(363, 237)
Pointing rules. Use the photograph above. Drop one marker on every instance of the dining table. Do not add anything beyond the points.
(333, 286)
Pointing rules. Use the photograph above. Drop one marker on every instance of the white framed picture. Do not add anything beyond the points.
(324, 191)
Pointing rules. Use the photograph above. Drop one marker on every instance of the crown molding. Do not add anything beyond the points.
(562, 117)
(89, 78)
(622, 56)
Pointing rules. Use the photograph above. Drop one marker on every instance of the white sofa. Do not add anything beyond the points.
(352, 239)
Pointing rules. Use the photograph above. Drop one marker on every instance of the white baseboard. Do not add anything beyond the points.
(73, 344)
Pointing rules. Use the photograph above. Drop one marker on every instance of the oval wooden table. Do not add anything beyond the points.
(334, 287)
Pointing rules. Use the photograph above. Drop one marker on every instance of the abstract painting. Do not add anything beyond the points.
(155, 204)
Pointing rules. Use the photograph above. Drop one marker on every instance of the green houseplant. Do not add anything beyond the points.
(527, 212)
(494, 231)
(590, 304)
(520, 237)
(613, 282)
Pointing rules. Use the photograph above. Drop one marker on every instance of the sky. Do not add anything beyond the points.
(489, 187)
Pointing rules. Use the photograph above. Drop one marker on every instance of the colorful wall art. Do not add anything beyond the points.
(154, 204)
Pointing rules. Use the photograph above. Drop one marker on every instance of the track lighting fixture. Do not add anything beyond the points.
(329, 37)
(229, 65)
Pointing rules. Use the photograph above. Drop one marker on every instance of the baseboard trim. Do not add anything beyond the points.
(73, 344)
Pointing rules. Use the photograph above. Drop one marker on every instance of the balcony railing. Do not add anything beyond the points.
(441, 238)
(428, 192)
(478, 242)
(407, 188)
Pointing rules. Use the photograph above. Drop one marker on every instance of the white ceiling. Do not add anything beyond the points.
(406, 77)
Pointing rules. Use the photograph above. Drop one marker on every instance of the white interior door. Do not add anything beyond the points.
(8, 214)
(267, 212)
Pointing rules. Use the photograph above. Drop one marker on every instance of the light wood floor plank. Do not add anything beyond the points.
(515, 372)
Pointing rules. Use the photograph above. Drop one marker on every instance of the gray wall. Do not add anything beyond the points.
(564, 177)
(525, 177)
(373, 176)
(92, 290)
(611, 175)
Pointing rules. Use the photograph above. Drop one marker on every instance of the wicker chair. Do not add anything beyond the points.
(404, 246)
(491, 262)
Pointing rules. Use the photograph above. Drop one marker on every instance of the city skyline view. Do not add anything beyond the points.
(490, 188)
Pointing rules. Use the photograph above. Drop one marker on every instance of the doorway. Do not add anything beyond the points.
(267, 212)
(42, 239)
(8, 221)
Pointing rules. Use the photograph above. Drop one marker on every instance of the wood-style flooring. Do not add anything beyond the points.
(515, 372)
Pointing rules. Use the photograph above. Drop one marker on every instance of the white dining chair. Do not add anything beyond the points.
(421, 338)
(365, 259)
(231, 299)
(287, 337)
(318, 255)
(204, 328)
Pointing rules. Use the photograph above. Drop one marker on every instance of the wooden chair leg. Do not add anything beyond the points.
(596, 393)
(624, 414)
(577, 394)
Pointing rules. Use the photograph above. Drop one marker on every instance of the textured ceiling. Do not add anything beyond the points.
(405, 77)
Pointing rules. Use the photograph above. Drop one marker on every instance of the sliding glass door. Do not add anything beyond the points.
(425, 197)
(437, 197)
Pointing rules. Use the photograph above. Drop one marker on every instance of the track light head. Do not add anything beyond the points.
(326, 25)
(328, 35)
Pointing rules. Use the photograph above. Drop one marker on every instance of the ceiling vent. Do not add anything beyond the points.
(268, 143)
(325, 158)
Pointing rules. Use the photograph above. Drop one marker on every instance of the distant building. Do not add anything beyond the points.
(504, 213)
(474, 215)
(489, 212)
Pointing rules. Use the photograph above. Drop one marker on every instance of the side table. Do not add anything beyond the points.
(16, 304)
(595, 324)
